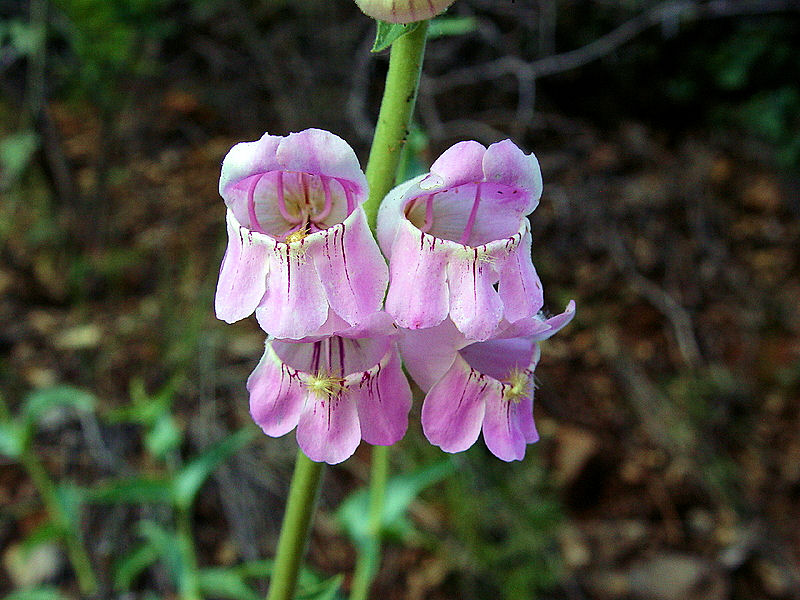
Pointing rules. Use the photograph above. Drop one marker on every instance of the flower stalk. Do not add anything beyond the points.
(370, 553)
(391, 131)
(300, 507)
(397, 106)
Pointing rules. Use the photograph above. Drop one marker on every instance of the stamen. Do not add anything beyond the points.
(251, 206)
(428, 214)
(282, 201)
(472, 213)
(518, 385)
(326, 210)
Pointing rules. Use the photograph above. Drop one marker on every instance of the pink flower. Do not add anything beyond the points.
(300, 253)
(403, 11)
(479, 386)
(459, 243)
(337, 390)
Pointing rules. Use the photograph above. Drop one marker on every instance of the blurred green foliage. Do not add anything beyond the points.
(739, 72)
(109, 40)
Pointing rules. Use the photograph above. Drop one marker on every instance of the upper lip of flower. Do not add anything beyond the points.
(290, 187)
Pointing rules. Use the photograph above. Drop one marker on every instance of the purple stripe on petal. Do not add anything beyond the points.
(520, 287)
(417, 295)
(475, 306)
(294, 305)
(351, 269)
(276, 395)
(383, 398)
(243, 274)
(502, 429)
(453, 410)
(328, 429)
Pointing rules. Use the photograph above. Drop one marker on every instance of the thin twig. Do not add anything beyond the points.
(606, 44)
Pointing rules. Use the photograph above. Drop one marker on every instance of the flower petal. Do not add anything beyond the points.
(352, 269)
(429, 353)
(475, 306)
(391, 213)
(383, 398)
(497, 358)
(557, 323)
(243, 274)
(453, 410)
(460, 163)
(244, 160)
(322, 153)
(276, 395)
(294, 305)
(525, 420)
(502, 429)
(403, 11)
(505, 163)
(520, 287)
(417, 262)
(328, 430)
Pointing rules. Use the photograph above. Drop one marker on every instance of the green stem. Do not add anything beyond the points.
(189, 584)
(369, 555)
(397, 106)
(294, 530)
(78, 557)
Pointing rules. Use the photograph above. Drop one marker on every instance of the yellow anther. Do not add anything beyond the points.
(519, 384)
(326, 386)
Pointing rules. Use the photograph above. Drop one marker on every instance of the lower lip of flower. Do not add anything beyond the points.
(305, 203)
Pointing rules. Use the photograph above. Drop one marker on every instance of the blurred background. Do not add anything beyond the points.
(669, 139)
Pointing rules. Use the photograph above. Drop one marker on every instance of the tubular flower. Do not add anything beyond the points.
(479, 386)
(403, 11)
(461, 229)
(300, 253)
(337, 390)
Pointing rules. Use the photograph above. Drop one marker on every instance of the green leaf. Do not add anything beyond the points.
(444, 26)
(144, 408)
(135, 490)
(12, 439)
(400, 493)
(130, 566)
(326, 590)
(225, 583)
(192, 476)
(165, 435)
(16, 151)
(389, 32)
(43, 593)
(165, 543)
(255, 568)
(41, 402)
